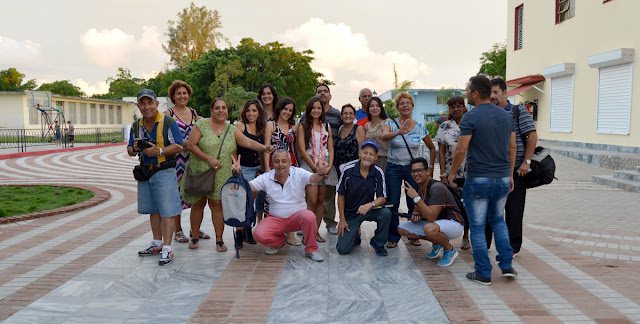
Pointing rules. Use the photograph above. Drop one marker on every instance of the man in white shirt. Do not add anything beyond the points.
(288, 211)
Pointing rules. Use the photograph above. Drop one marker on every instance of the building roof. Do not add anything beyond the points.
(53, 95)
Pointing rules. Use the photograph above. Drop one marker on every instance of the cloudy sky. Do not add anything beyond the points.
(434, 43)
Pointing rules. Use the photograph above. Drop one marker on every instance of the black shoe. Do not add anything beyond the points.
(358, 240)
(511, 273)
(248, 237)
(239, 238)
(380, 251)
(474, 276)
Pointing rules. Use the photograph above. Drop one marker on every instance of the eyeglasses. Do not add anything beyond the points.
(415, 171)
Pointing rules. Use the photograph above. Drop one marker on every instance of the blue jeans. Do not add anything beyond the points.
(484, 199)
(393, 177)
(249, 173)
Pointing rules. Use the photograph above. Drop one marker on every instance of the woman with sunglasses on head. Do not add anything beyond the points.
(447, 138)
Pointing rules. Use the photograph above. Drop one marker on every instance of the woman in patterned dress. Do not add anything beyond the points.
(315, 144)
(447, 138)
(204, 143)
(180, 92)
(373, 129)
(281, 133)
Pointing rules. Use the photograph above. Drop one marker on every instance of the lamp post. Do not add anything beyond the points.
(375, 94)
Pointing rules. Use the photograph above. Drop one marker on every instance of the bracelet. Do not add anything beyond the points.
(444, 175)
(208, 160)
(432, 167)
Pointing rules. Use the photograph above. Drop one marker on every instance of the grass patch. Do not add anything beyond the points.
(18, 200)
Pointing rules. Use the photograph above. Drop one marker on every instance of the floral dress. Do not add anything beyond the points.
(447, 135)
(210, 143)
(183, 157)
(286, 141)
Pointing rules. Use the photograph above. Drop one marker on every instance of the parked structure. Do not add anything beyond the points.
(427, 104)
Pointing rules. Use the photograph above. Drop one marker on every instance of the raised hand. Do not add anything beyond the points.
(235, 165)
(405, 127)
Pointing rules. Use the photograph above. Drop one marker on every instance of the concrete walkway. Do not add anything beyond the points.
(580, 263)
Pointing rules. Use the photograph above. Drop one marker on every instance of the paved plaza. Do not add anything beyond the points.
(580, 263)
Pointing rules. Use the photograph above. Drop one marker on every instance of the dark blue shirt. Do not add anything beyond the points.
(357, 190)
(490, 128)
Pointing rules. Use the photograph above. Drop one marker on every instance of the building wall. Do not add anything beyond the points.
(596, 28)
(10, 110)
(426, 103)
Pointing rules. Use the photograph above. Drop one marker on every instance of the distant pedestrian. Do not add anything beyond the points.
(487, 132)
(56, 129)
(70, 133)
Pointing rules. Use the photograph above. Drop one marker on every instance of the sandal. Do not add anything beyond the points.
(465, 244)
(392, 245)
(292, 240)
(320, 238)
(193, 244)
(220, 245)
(203, 235)
(415, 242)
(180, 237)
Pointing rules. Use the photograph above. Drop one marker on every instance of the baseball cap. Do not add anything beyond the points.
(147, 93)
(371, 143)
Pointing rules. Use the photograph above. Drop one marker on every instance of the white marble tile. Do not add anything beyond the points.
(305, 292)
(366, 292)
(356, 311)
(298, 311)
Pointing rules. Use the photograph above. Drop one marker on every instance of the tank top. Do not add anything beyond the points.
(345, 149)
(249, 157)
(286, 141)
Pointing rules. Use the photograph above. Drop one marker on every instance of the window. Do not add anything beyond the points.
(103, 115)
(518, 37)
(119, 115)
(71, 112)
(82, 114)
(111, 112)
(614, 99)
(561, 104)
(565, 9)
(94, 114)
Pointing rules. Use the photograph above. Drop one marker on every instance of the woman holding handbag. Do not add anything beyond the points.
(404, 135)
(212, 143)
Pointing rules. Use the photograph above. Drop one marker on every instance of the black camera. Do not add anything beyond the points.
(144, 143)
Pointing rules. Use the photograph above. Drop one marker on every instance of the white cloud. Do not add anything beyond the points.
(346, 58)
(93, 88)
(19, 53)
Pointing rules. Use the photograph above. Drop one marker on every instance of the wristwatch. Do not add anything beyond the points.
(161, 152)
(528, 161)
(416, 199)
(373, 204)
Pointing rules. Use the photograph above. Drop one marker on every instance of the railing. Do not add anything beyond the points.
(22, 138)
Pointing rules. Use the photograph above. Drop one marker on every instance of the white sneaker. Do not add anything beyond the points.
(315, 256)
(299, 232)
(272, 251)
(333, 230)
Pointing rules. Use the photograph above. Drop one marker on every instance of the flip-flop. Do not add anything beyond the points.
(203, 235)
(392, 245)
(193, 244)
(320, 239)
(180, 237)
(220, 245)
(465, 244)
(415, 242)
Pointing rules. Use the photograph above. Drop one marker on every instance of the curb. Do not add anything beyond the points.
(24, 154)
(99, 196)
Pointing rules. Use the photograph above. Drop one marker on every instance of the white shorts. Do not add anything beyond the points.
(450, 228)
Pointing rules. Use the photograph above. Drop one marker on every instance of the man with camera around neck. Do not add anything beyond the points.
(156, 139)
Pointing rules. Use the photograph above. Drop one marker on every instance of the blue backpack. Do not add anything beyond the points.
(237, 204)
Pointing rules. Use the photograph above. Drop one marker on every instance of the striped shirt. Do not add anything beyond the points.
(524, 126)
(170, 134)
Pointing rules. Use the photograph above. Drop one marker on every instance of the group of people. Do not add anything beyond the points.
(296, 170)
(69, 130)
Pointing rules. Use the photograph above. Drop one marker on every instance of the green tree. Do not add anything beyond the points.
(161, 82)
(196, 31)
(494, 61)
(390, 109)
(445, 93)
(404, 86)
(236, 97)
(62, 87)
(12, 80)
(122, 85)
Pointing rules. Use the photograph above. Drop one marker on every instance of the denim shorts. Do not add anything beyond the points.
(450, 228)
(160, 194)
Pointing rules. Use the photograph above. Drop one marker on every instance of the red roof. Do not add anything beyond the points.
(521, 88)
(529, 79)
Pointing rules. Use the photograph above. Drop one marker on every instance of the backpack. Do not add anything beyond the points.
(456, 192)
(543, 167)
(237, 204)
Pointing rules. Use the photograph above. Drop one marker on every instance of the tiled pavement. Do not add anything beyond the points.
(580, 263)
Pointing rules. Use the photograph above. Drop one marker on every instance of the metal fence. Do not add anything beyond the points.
(22, 138)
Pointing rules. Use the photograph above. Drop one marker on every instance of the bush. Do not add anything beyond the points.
(432, 127)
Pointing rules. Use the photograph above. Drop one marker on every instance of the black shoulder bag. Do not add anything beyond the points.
(543, 167)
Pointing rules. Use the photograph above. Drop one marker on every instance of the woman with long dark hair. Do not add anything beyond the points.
(268, 97)
(373, 129)
(315, 144)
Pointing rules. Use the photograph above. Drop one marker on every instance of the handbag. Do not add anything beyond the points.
(543, 167)
(202, 184)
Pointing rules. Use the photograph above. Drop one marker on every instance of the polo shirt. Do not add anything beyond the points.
(285, 199)
(170, 134)
(357, 190)
(490, 128)
(524, 126)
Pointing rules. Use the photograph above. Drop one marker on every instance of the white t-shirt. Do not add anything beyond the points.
(284, 199)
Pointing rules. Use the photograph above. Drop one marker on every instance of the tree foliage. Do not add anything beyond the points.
(404, 86)
(494, 61)
(236, 97)
(447, 92)
(161, 82)
(196, 31)
(62, 87)
(122, 85)
(12, 80)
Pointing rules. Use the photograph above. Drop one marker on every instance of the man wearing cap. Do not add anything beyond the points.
(361, 195)
(158, 193)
